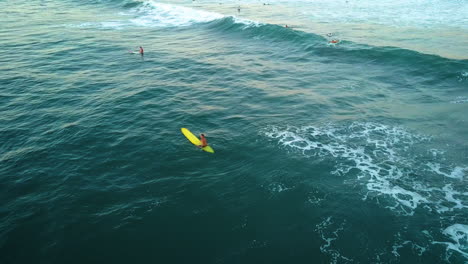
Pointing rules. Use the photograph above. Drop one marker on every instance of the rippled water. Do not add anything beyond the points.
(354, 152)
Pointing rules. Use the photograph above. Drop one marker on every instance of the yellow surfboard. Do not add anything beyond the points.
(192, 138)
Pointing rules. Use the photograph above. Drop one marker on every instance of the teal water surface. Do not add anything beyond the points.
(347, 153)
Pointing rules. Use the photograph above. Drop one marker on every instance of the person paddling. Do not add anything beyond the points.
(203, 141)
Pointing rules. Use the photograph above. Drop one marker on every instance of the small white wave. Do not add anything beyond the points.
(450, 201)
(460, 100)
(100, 25)
(463, 76)
(278, 187)
(436, 152)
(315, 198)
(82, 25)
(113, 24)
(455, 173)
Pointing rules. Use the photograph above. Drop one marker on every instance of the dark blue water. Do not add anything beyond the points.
(347, 153)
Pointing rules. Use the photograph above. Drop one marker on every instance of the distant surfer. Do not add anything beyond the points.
(286, 26)
(203, 141)
(334, 41)
(141, 51)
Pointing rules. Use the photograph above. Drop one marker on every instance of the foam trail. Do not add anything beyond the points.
(379, 154)
(458, 233)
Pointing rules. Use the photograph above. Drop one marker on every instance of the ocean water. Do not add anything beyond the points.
(355, 152)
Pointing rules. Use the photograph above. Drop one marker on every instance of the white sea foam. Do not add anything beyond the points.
(399, 243)
(458, 233)
(113, 24)
(82, 25)
(380, 157)
(463, 76)
(328, 235)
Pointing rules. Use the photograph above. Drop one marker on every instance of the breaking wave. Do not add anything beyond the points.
(166, 15)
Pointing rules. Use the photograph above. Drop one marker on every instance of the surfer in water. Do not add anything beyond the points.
(203, 141)
(141, 51)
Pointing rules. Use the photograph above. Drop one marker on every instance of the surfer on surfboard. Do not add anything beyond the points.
(203, 141)
(199, 142)
(141, 50)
